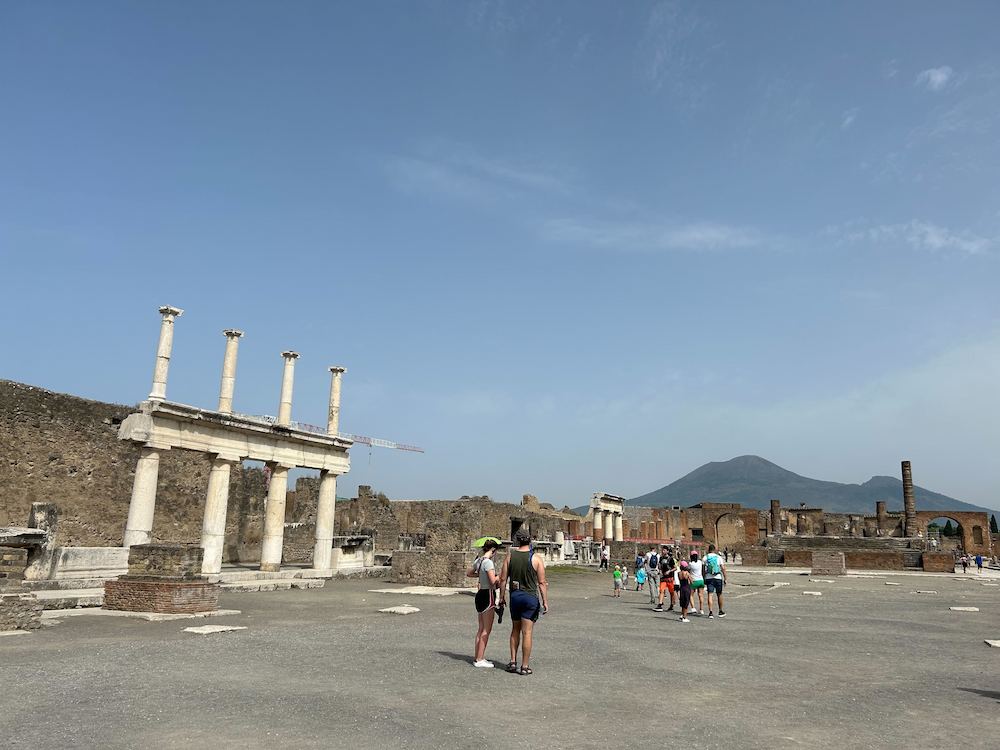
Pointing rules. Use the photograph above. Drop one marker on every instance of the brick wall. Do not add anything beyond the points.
(938, 562)
(754, 556)
(798, 558)
(828, 563)
(865, 560)
(169, 597)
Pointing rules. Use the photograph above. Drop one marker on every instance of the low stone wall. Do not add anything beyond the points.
(423, 568)
(938, 562)
(828, 564)
(89, 562)
(754, 556)
(859, 560)
(168, 597)
(798, 558)
(19, 611)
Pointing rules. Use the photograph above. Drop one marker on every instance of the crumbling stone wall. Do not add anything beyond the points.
(19, 610)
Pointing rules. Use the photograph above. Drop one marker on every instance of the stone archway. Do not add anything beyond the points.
(974, 535)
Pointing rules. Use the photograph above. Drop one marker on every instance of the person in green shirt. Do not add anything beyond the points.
(617, 575)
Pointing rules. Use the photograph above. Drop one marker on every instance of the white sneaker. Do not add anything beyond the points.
(684, 619)
(483, 664)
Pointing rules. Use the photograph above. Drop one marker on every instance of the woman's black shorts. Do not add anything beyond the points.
(484, 600)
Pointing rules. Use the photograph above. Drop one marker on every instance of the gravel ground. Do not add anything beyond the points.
(865, 665)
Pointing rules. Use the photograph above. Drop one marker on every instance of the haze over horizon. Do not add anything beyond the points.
(564, 247)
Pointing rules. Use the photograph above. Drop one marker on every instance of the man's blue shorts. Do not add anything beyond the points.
(713, 585)
(524, 606)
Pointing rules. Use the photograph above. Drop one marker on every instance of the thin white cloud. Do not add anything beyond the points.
(847, 119)
(918, 235)
(935, 79)
(460, 172)
(638, 236)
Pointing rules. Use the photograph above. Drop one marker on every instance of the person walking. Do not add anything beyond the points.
(605, 556)
(624, 577)
(684, 576)
(523, 573)
(668, 567)
(965, 563)
(484, 569)
(640, 578)
(696, 574)
(617, 576)
(715, 579)
(979, 563)
(653, 575)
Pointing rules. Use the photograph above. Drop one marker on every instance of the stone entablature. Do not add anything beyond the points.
(607, 514)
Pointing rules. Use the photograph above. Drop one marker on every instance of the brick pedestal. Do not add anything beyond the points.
(163, 578)
(168, 597)
(828, 563)
(938, 562)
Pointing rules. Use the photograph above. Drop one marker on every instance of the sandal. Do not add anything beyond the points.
(512, 667)
(525, 671)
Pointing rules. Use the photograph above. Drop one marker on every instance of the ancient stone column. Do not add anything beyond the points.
(598, 524)
(163, 349)
(287, 378)
(609, 527)
(139, 526)
(619, 532)
(800, 524)
(909, 503)
(333, 414)
(213, 527)
(775, 516)
(643, 529)
(326, 510)
(274, 520)
(228, 383)
(881, 517)
(660, 530)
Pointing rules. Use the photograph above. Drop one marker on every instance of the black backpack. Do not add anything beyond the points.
(654, 560)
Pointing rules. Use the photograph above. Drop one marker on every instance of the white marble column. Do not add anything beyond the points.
(325, 514)
(598, 524)
(213, 528)
(609, 526)
(163, 349)
(287, 379)
(139, 527)
(619, 536)
(228, 384)
(274, 520)
(333, 415)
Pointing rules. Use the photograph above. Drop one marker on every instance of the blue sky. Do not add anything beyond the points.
(564, 247)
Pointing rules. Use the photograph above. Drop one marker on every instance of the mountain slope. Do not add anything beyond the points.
(753, 481)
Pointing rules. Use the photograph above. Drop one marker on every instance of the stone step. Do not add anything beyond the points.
(61, 584)
(71, 598)
(229, 576)
(272, 585)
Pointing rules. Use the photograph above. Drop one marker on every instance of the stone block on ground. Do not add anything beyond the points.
(826, 563)
(404, 609)
(964, 609)
(19, 610)
(812, 593)
(208, 629)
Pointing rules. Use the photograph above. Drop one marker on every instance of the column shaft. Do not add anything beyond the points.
(139, 527)
(619, 531)
(274, 520)
(287, 380)
(609, 527)
(228, 383)
(213, 528)
(598, 525)
(325, 512)
(163, 349)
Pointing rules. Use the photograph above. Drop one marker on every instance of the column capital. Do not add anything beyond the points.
(337, 369)
(290, 355)
(233, 333)
(171, 311)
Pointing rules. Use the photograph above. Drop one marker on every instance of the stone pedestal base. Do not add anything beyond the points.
(131, 594)
(938, 562)
(827, 563)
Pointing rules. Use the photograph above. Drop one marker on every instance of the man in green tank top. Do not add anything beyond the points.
(524, 571)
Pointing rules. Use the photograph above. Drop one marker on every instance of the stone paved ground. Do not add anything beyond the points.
(864, 665)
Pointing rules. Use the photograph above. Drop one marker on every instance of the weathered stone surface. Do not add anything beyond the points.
(208, 629)
(165, 560)
(19, 611)
(964, 609)
(828, 563)
(404, 609)
(938, 562)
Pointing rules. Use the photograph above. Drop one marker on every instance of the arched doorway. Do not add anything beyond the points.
(945, 534)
